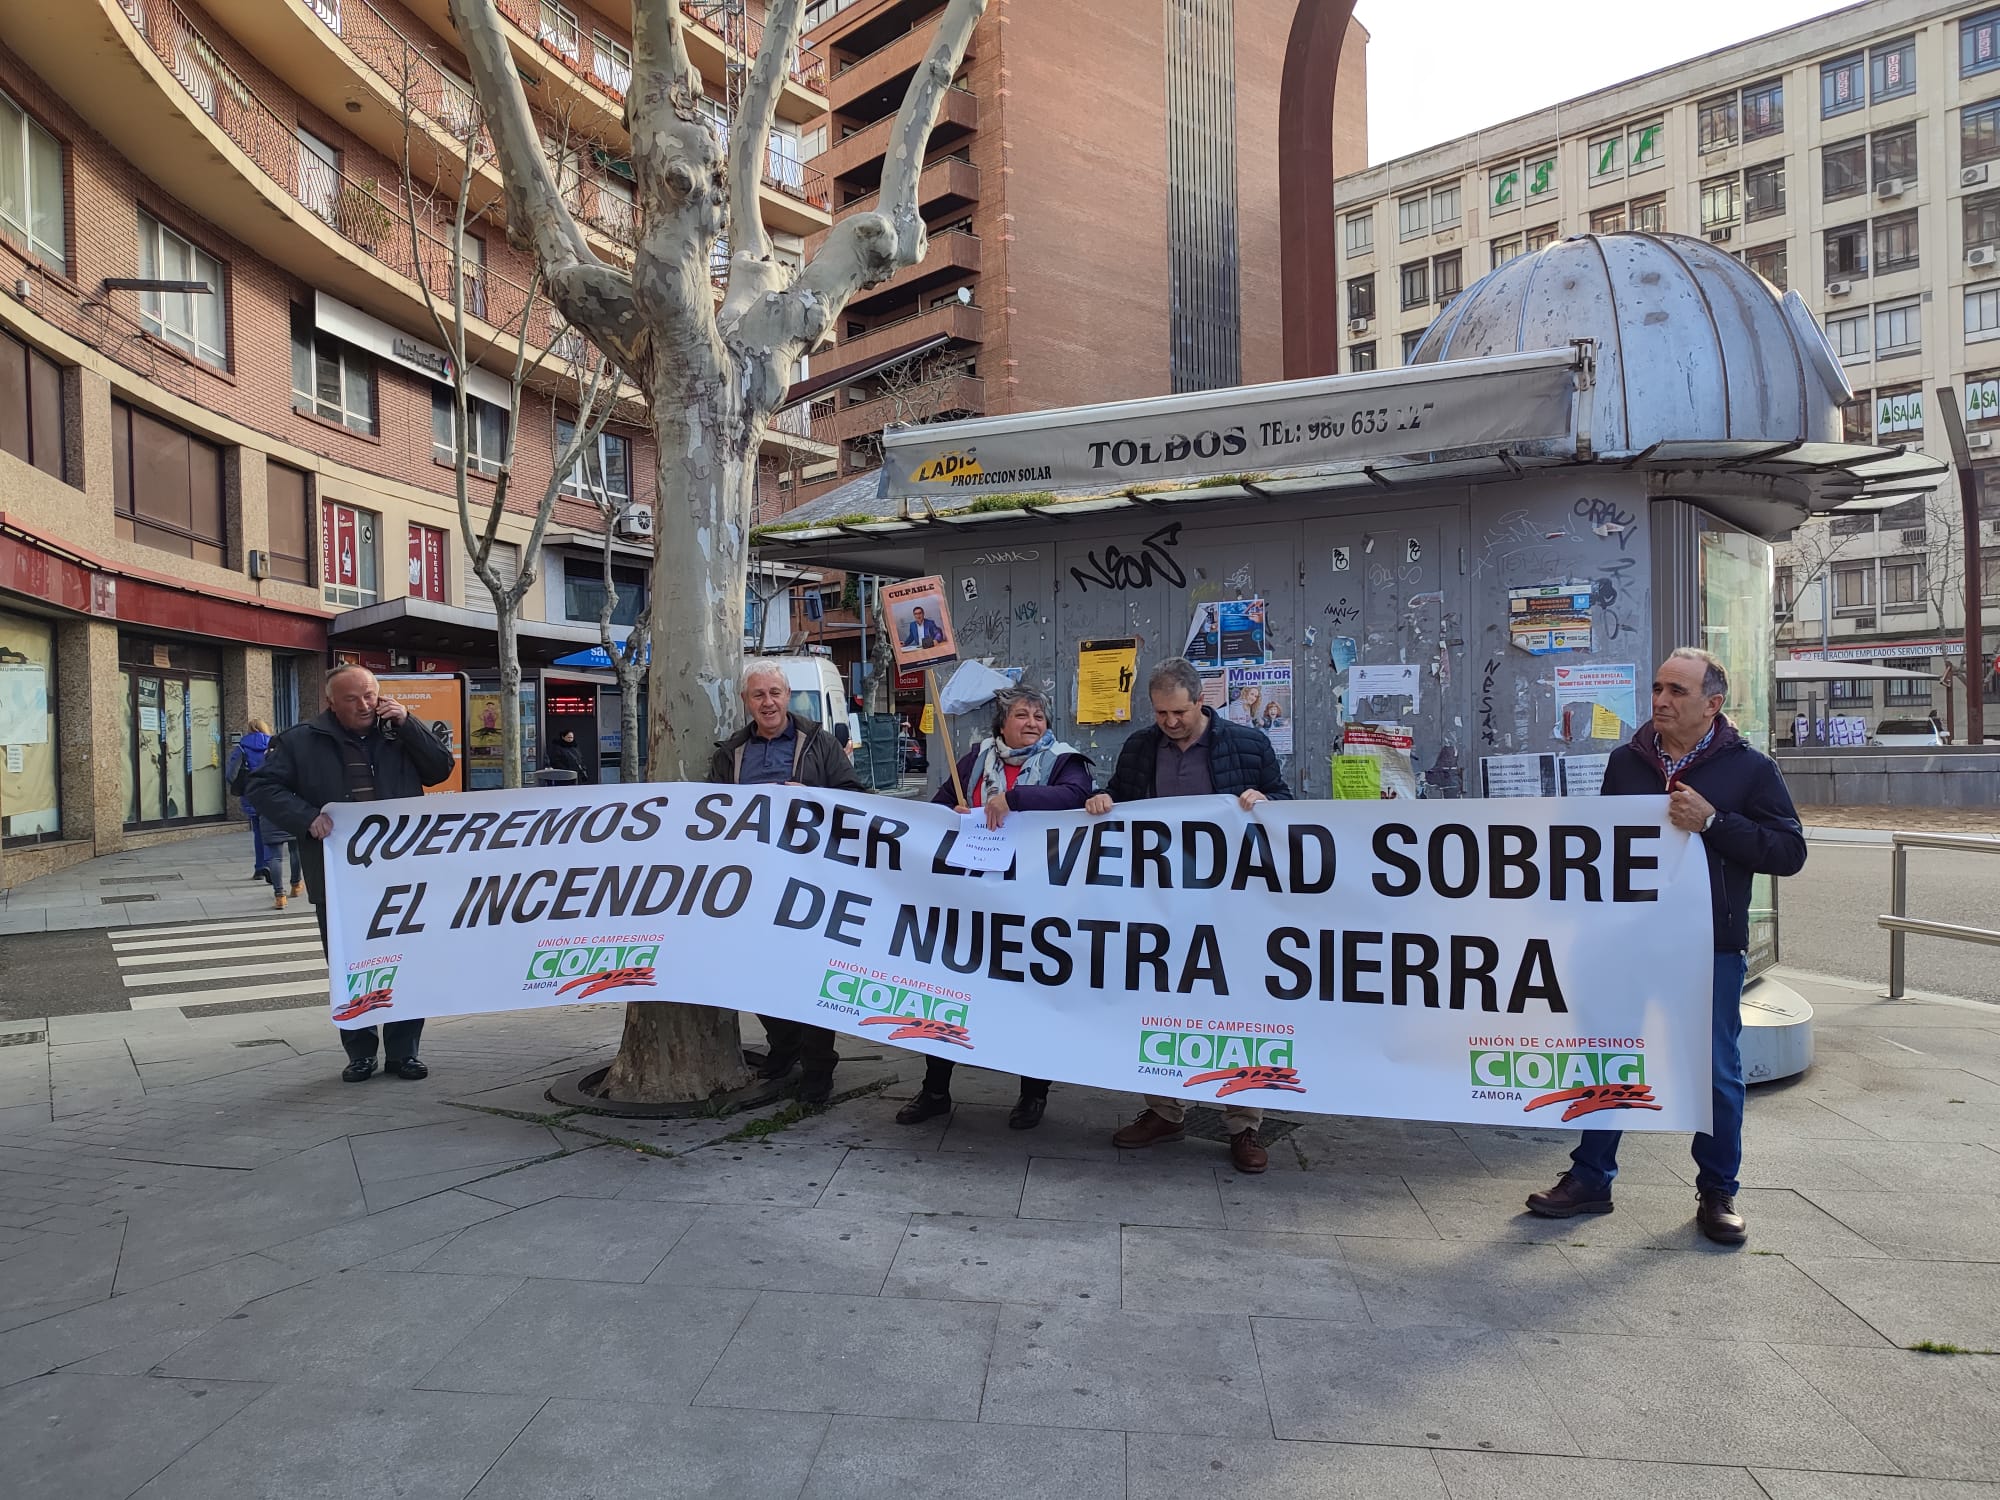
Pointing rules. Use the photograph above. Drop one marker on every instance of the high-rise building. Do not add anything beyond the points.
(226, 456)
(1854, 158)
(1102, 192)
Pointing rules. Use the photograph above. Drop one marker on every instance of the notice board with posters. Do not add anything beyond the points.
(437, 701)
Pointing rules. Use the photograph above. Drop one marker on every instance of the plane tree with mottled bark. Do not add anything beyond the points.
(712, 373)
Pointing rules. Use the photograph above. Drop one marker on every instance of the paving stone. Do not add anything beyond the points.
(1454, 1284)
(1713, 1293)
(1241, 1271)
(299, 1195)
(1069, 1129)
(867, 1123)
(1516, 1152)
(1935, 1415)
(99, 1437)
(1797, 1484)
(578, 1239)
(368, 1239)
(1139, 1372)
(1346, 1144)
(607, 1450)
(785, 1249)
(322, 1439)
(738, 1173)
(1910, 1302)
(358, 1327)
(128, 1335)
(603, 1340)
(468, 1141)
(597, 1171)
(1693, 1401)
(1046, 1262)
(1415, 1387)
(1149, 1192)
(927, 1182)
(1180, 1468)
(859, 1356)
(1323, 1203)
(66, 1270)
(1922, 1166)
(1517, 1476)
(865, 1458)
(1920, 1225)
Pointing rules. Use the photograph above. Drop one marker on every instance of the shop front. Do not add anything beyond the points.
(171, 752)
(31, 772)
(1448, 580)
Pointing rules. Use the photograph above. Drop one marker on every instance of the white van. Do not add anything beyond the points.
(819, 694)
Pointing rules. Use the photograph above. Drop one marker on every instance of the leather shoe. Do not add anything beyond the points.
(1027, 1112)
(1716, 1217)
(408, 1067)
(815, 1088)
(926, 1106)
(776, 1065)
(360, 1070)
(1247, 1153)
(1148, 1130)
(1568, 1198)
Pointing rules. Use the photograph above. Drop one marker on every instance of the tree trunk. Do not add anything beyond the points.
(706, 491)
(631, 682)
(505, 614)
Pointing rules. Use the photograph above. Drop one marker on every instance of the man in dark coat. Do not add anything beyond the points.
(780, 748)
(1190, 752)
(1722, 789)
(363, 748)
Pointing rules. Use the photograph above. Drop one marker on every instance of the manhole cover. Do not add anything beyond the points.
(139, 879)
(22, 1038)
(1205, 1123)
(119, 900)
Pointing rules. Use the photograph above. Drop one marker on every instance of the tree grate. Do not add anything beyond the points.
(22, 1038)
(1205, 1123)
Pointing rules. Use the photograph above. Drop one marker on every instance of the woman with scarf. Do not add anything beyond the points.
(1023, 767)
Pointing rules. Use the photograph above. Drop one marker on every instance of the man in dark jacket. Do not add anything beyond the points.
(779, 748)
(363, 748)
(1736, 800)
(1189, 752)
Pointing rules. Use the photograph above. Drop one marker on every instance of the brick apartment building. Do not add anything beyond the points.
(1102, 193)
(206, 497)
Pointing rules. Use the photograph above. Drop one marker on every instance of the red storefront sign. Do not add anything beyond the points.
(427, 563)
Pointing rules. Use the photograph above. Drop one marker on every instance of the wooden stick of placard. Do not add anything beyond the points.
(944, 729)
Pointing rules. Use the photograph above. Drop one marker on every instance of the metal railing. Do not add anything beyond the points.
(1899, 925)
(575, 46)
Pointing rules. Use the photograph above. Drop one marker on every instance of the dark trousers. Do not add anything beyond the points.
(1718, 1152)
(274, 863)
(938, 1071)
(398, 1039)
(795, 1040)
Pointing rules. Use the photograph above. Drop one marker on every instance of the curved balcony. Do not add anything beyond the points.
(950, 255)
(944, 185)
(859, 156)
(957, 321)
(956, 393)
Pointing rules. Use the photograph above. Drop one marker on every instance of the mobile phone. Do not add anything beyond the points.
(384, 723)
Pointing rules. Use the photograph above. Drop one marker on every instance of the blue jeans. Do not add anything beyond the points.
(1719, 1153)
(259, 855)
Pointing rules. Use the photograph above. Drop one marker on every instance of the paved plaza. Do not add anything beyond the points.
(226, 1273)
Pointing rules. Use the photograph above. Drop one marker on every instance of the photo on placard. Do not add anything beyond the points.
(919, 623)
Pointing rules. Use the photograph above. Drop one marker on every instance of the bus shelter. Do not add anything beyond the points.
(1467, 567)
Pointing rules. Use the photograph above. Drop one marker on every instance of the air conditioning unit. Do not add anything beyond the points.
(1893, 188)
(635, 523)
(1721, 236)
(1912, 537)
(1359, 325)
(1839, 288)
(1972, 176)
(1979, 440)
(1981, 255)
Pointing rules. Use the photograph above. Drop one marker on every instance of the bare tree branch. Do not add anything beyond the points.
(660, 64)
(588, 293)
(753, 270)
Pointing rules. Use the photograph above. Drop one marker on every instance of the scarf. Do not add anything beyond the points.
(1037, 762)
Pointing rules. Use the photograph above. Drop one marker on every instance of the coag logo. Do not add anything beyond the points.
(1585, 1082)
(1236, 1062)
(954, 467)
(367, 989)
(916, 1014)
(593, 968)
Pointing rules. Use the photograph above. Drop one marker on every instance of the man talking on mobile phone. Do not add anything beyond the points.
(363, 748)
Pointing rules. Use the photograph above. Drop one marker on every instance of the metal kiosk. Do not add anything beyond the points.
(1583, 466)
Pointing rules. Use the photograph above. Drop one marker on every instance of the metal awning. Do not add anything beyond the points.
(1852, 671)
(424, 627)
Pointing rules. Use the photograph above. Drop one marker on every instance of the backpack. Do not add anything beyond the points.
(238, 774)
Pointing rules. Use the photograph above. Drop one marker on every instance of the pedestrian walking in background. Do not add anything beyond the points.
(269, 844)
(1021, 767)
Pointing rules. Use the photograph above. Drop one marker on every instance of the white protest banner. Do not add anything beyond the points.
(1534, 961)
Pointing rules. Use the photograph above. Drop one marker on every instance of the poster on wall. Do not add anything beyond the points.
(1583, 775)
(24, 703)
(1105, 673)
(1226, 632)
(1260, 697)
(1596, 702)
(1517, 775)
(437, 701)
(1391, 747)
(919, 623)
(1402, 680)
(1545, 619)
